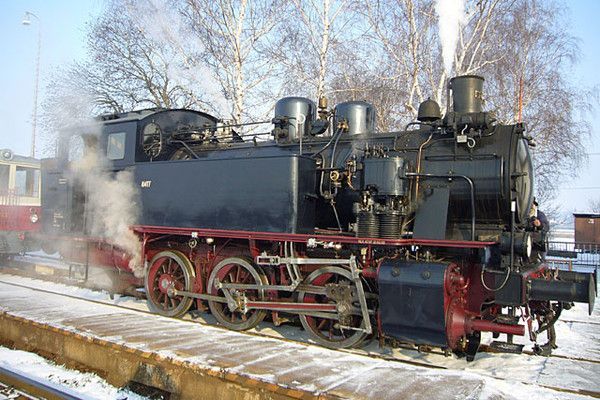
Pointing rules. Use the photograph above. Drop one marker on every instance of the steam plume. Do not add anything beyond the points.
(451, 15)
(112, 200)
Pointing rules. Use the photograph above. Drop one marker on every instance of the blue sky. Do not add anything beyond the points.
(585, 26)
(63, 25)
(63, 35)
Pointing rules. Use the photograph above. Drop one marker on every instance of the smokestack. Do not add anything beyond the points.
(467, 94)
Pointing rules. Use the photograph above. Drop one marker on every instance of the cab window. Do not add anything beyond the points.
(115, 149)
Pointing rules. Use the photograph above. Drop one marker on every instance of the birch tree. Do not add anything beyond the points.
(236, 35)
(313, 43)
(407, 35)
(538, 58)
(507, 42)
(401, 38)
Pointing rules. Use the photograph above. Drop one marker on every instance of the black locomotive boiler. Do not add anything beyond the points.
(419, 235)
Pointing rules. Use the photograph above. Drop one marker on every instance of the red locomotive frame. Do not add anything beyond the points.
(220, 245)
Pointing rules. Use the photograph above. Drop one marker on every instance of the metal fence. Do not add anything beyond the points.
(573, 256)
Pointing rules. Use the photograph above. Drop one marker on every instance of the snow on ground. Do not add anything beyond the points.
(578, 336)
(84, 385)
(76, 291)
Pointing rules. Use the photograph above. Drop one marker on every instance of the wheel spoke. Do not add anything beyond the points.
(231, 278)
(237, 271)
(322, 324)
(247, 278)
(325, 331)
(179, 277)
(169, 268)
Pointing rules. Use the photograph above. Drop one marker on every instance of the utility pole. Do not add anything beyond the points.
(27, 21)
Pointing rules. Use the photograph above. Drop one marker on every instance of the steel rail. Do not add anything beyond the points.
(371, 354)
(45, 278)
(37, 387)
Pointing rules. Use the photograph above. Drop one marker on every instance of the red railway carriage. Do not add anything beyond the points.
(19, 202)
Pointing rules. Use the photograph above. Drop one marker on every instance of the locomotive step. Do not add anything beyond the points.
(504, 347)
(507, 320)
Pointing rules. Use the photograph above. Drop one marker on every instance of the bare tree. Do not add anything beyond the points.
(508, 42)
(594, 205)
(312, 45)
(401, 36)
(235, 35)
(128, 68)
(386, 52)
(538, 58)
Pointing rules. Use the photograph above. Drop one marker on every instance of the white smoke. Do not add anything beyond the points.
(112, 203)
(451, 15)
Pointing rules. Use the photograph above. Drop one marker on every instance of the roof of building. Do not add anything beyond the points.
(586, 215)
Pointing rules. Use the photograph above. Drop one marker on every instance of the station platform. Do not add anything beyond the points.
(194, 361)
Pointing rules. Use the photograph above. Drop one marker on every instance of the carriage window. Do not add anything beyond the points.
(27, 182)
(116, 146)
(4, 174)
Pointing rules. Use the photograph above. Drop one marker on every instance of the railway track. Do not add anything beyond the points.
(17, 385)
(488, 349)
(371, 354)
(253, 333)
(572, 321)
(50, 269)
(484, 348)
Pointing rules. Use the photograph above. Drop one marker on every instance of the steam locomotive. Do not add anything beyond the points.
(419, 235)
